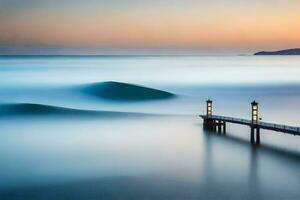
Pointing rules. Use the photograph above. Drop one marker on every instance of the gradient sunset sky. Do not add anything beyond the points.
(97, 26)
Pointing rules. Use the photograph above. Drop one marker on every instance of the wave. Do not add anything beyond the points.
(31, 109)
(118, 91)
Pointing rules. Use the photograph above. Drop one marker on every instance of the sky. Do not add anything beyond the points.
(157, 26)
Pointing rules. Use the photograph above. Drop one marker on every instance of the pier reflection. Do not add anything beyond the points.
(228, 158)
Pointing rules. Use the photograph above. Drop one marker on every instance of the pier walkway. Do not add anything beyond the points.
(218, 123)
(263, 125)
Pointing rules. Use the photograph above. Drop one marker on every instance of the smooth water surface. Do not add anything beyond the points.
(60, 141)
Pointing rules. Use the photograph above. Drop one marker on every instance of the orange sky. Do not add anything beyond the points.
(268, 24)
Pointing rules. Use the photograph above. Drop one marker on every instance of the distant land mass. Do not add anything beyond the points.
(281, 52)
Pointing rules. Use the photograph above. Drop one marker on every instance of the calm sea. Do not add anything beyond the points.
(146, 149)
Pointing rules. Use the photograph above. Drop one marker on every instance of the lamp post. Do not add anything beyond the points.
(209, 108)
(254, 106)
(254, 112)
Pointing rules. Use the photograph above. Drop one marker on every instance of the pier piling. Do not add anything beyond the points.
(258, 136)
(252, 139)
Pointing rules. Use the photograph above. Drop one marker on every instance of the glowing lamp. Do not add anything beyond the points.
(254, 105)
(209, 107)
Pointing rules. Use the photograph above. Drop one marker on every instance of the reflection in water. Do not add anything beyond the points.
(258, 184)
(142, 158)
(254, 187)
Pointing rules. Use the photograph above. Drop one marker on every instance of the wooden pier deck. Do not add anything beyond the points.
(262, 125)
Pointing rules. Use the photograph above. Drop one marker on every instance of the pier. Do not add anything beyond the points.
(217, 123)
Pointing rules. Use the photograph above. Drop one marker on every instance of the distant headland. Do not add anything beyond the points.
(281, 52)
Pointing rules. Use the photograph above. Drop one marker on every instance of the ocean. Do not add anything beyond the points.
(128, 127)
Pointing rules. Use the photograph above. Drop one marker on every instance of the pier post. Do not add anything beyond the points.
(219, 126)
(257, 135)
(224, 127)
(252, 135)
(214, 126)
(209, 124)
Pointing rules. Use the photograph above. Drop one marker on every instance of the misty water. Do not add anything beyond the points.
(61, 137)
